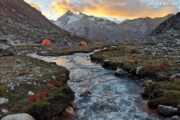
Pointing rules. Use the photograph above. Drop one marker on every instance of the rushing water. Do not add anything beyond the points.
(112, 98)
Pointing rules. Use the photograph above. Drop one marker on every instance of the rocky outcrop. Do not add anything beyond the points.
(171, 24)
(6, 49)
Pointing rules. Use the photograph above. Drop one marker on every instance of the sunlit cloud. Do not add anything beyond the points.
(116, 8)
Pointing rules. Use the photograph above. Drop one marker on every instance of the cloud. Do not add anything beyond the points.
(35, 5)
(113, 8)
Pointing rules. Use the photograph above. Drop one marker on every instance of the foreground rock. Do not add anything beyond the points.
(167, 110)
(173, 118)
(6, 49)
(21, 116)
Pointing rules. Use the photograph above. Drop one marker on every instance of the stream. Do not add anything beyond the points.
(112, 98)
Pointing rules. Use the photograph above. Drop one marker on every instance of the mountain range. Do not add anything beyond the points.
(103, 30)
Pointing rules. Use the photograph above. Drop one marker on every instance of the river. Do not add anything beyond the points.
(112, 98)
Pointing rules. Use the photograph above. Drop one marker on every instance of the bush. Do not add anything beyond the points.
(2, 90)
(134, 51)
(163, 93)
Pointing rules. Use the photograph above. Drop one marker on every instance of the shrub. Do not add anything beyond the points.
(23, 72)
(38, 97)
(54, 82)
(134, 51)
(161, 67)
(49, 87)
(2, 90)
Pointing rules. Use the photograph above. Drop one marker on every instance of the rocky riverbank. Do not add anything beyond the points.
(159, 75)
(54, 50)
(32, 86)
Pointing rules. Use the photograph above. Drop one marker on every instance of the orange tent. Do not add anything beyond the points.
(46, 42)
(83, 43)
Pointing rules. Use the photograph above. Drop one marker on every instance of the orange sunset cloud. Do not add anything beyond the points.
(116, 8)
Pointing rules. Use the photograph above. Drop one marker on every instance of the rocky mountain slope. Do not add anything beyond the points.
(90, 27)
(99, 29)
(172, 24)
(138, 28)
(21, 23)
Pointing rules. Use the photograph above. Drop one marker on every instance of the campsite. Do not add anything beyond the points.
(89, 60)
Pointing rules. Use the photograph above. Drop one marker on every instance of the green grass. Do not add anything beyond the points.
(164, 93)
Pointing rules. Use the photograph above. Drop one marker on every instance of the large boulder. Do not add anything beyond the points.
(20, 116)
(6, 49)
(120, 72)
(167, 111)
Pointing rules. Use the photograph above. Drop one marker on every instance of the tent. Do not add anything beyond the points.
(83, 43)
(46, 42)
(64, 43)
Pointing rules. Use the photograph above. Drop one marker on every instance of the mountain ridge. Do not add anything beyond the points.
(103, 30)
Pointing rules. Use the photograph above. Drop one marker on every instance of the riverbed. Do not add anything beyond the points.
(111, 98)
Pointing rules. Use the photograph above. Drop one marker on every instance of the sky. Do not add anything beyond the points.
(120, 9)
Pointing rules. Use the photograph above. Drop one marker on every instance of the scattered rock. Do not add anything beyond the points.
(86, 93)
(4, 111)
(167, 111)
(6, 49)
(146, 82)
(177, 75)
(20, 116)
(173, 118)
(3, 101)
(30, 93)
(70, 111)
(139, 70)
(120, 72)
(110, 65)
(173, 77)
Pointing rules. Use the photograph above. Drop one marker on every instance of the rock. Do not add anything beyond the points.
(178, 42)
(160, 45)
(177, 75)
(6, 49)
(147, 82)
(4, 111)
(167, 111)
(173, 77)
(86, 93)
(173, 118)
(3, 101)
(70, 111)
(110, 65)
(30, 93)
(20, 116)
(120, 72)
(139, 69)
